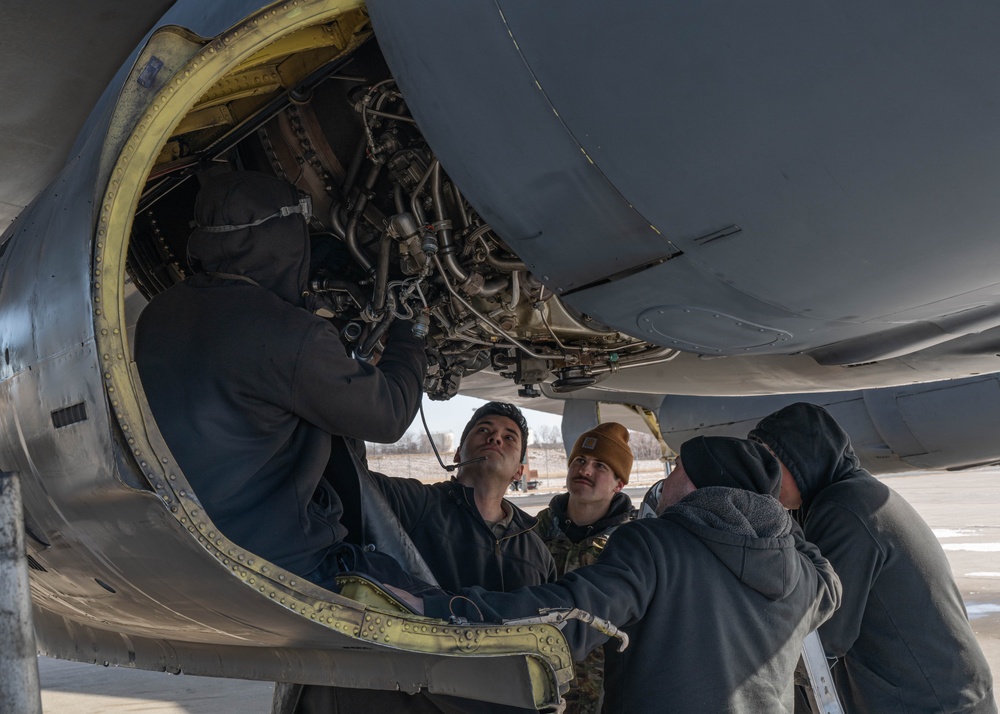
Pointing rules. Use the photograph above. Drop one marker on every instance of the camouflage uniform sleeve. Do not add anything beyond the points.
(586, 691)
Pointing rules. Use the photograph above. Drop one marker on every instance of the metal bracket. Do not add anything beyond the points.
(560, 616)
(821, 691)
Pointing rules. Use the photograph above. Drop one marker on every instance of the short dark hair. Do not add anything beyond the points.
(503, 409)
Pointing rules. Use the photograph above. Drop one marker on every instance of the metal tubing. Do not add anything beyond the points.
(463, 215)
(447, 248)
(365, 352)
(351, 239)
(508, 266)
(351, 235)
(643, 359)
(397, 198)
(468, 306)
(336, 225)
(505, 264)
(355, 165)
(492, 286)
(19, 687)
(326, 285)
(382, 272)
(647, 357)
(515, 290)
(415, 208)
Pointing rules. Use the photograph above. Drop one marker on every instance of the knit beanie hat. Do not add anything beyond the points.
(733, 463)
(608, 443)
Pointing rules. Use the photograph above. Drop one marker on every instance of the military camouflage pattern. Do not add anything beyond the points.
(586, 691)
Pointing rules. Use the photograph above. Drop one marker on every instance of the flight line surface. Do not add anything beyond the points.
(961, 508)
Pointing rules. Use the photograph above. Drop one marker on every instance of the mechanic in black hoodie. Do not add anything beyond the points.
(902, 635)
(716, 594)
(256, 396)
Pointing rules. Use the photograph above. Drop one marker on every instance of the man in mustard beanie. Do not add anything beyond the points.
(576, 527)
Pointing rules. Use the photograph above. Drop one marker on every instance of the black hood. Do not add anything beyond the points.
(274, 254)
(619, 511)
(749, 532)
(811, 444)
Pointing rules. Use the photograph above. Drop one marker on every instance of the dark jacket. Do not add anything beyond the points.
(461, 550)
(458, 546)
(902, 632)
(716, 596)
(247, 386)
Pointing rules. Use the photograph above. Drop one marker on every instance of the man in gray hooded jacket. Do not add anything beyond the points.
(256, 396)
(901, 634)
(716, 594)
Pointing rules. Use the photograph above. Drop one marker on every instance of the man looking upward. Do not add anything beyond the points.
(465, 529)
(576, 526)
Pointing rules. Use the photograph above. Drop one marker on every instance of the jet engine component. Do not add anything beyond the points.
(393, 238)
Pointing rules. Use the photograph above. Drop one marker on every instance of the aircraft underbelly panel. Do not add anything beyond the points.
(531, 180)
(745, 140)
(839, 140)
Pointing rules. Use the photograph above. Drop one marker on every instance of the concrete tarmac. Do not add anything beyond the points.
(962, 508)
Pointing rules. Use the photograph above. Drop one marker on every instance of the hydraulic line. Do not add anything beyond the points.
(443, 227)
(351, 235)
(364, 352)
(643, 359)
(382, 273)
(510, 338)
(504, 264)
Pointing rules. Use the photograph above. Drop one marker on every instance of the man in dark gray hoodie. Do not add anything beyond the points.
(716, 594)
(901, 634)
(256, 396)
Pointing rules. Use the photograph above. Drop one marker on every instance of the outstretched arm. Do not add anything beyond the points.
(617, 588)
(343, 396)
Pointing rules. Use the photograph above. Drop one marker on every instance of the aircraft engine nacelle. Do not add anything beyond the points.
(126, 566)
(942, 425)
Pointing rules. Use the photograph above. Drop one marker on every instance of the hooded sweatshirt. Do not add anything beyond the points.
(902, 632)
(716, 596)
(250, 389)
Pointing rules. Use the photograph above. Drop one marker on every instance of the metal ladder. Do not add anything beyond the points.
(813, 674)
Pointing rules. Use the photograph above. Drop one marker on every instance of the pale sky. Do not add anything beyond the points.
(453, 414)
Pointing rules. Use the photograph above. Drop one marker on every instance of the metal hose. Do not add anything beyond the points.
(364, 353)
(446, 248)
(382, 273)
(642, 359)
(468, 306)
(351, 234)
